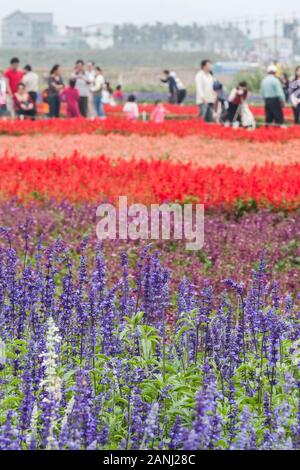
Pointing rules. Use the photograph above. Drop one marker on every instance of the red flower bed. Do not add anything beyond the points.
(80, 179)
(188, 110)
(121, 126)
(173, 110)
(259, 111)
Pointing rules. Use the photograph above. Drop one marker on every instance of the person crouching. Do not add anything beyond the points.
(23, 103)
(236, 99)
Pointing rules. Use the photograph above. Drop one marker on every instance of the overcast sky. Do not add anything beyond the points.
(140, 11)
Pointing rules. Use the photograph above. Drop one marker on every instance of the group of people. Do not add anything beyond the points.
(291, 90)
(215, 104)
(18, 90)
(85, 93)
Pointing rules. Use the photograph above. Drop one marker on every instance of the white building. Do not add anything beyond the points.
(99, 36)
(26, 30)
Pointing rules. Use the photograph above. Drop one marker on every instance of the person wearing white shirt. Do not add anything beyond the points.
(83, 86)
(91, 74)
(97, 90)
(131, 109)
(107, 95)
(91, 71)
(181, 93)
(205, 94)
(31, 82)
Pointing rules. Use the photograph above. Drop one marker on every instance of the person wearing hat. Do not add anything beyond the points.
(273, 95)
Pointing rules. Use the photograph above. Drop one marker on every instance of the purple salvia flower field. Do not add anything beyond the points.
(100, 354)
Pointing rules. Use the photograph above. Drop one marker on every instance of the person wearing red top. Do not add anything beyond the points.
(237, 97)
(71, 96)
(118, 94)
(23, 103)
(13, 77)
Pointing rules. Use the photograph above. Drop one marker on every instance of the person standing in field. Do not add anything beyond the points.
(181, 90)
(97, 88)
(171, 82)
(205, 94)
(272, 92)
(221, 102)
(71, 97)
(83, 86)
(55, 87)
(13, 77)
(91, 74)
(31, 82)
(294, 94)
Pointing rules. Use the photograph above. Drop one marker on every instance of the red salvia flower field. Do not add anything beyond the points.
(80, 179)
(180, 128)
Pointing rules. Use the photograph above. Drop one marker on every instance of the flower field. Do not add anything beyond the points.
(150, 182)
(135, 345)
(173, 111)
(115, 125)
(188, 111)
